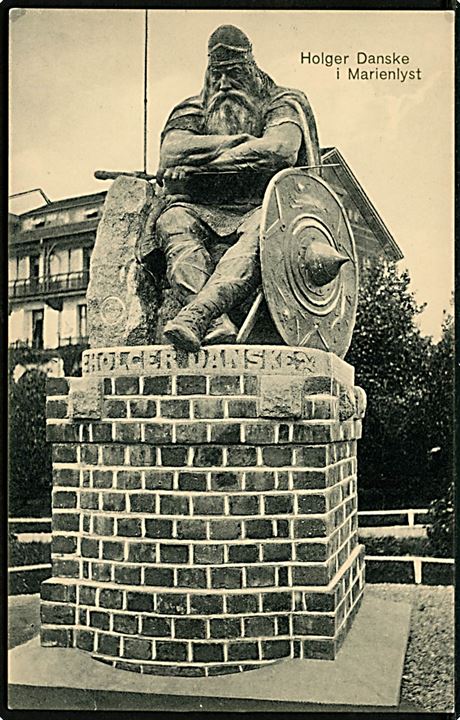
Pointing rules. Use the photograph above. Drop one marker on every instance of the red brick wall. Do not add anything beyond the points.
(192, 536)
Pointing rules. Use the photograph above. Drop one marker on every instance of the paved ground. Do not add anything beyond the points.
(428, 678)
(23, 618)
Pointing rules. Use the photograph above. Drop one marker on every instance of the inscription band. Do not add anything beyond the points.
(219, 359)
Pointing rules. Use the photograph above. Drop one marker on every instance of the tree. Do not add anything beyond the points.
(441, 524)
(27, 356)
(440, 409)
(30, 471)
(440, 431)
(392, 364)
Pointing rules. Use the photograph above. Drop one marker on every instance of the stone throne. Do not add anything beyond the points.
(205, 505)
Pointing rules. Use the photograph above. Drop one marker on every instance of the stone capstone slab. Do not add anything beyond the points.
(122, 298)
(347, 403)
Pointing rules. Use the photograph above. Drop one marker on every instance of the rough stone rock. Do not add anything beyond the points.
(281, 397)
(168, 309)
(347, 403)
(122, 298)
(361, 401)
(85, 398)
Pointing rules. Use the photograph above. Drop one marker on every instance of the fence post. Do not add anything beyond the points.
(417, 570)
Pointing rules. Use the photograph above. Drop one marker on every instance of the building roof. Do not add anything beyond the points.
(67, 203)
(329, 156)
(348, 180)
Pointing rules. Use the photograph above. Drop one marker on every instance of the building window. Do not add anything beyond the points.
(13, 269)
(34, 267)
(54, 263)
(81, 321)
(37, 329)
(34, 271)
(86, 259)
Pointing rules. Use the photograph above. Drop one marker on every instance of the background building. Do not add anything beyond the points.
(49, 255)
(50, 250)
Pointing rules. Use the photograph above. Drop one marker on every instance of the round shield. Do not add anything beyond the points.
(309, 262)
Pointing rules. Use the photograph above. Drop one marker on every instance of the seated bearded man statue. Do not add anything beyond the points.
(241, 120)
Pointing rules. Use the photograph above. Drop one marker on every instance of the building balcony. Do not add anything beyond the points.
(62, 284)
(67, 232)
(77, 340)
(37, 344)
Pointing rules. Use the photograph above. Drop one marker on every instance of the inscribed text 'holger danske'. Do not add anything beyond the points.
(149, 360)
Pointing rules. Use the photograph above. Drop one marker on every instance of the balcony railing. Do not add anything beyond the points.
(61, 342)
(49, 285)
(78, 340)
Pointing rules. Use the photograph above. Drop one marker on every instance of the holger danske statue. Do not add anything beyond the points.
(244, 213)
(241, 121)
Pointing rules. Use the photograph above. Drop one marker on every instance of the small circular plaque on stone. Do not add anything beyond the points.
(112, 310)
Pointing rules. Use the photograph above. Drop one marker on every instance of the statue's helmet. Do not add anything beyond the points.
(228, 45)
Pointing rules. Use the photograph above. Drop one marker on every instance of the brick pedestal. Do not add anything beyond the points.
(204, 508)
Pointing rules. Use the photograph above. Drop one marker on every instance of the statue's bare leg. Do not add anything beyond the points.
(235, 276)
(183, 239)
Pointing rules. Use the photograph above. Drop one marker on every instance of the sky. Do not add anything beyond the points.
(76, 105)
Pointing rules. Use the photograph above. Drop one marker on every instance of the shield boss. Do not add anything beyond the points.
(309, 262)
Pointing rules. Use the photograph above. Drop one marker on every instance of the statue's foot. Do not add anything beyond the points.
(221, 330)
(187, 330)
(182, 336)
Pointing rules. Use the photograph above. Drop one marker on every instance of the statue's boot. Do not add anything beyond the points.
(222, 330)
(236, 275)
(183, 238)
(188, 329)
(219, 330)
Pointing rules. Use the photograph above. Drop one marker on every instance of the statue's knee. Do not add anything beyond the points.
(175, 220)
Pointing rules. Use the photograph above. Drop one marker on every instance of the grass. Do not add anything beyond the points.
(428, 677)
(29, 553)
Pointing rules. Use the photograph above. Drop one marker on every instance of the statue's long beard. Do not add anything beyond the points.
(230, 115)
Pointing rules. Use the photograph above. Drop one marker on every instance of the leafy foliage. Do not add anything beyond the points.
(441, 528)
(70, 354)
(394, 365)
(440, 413)
(440, 432)
(29, 453)
(398, 546)
(30, 469)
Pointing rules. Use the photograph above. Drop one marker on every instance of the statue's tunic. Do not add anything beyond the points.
(282, 105)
